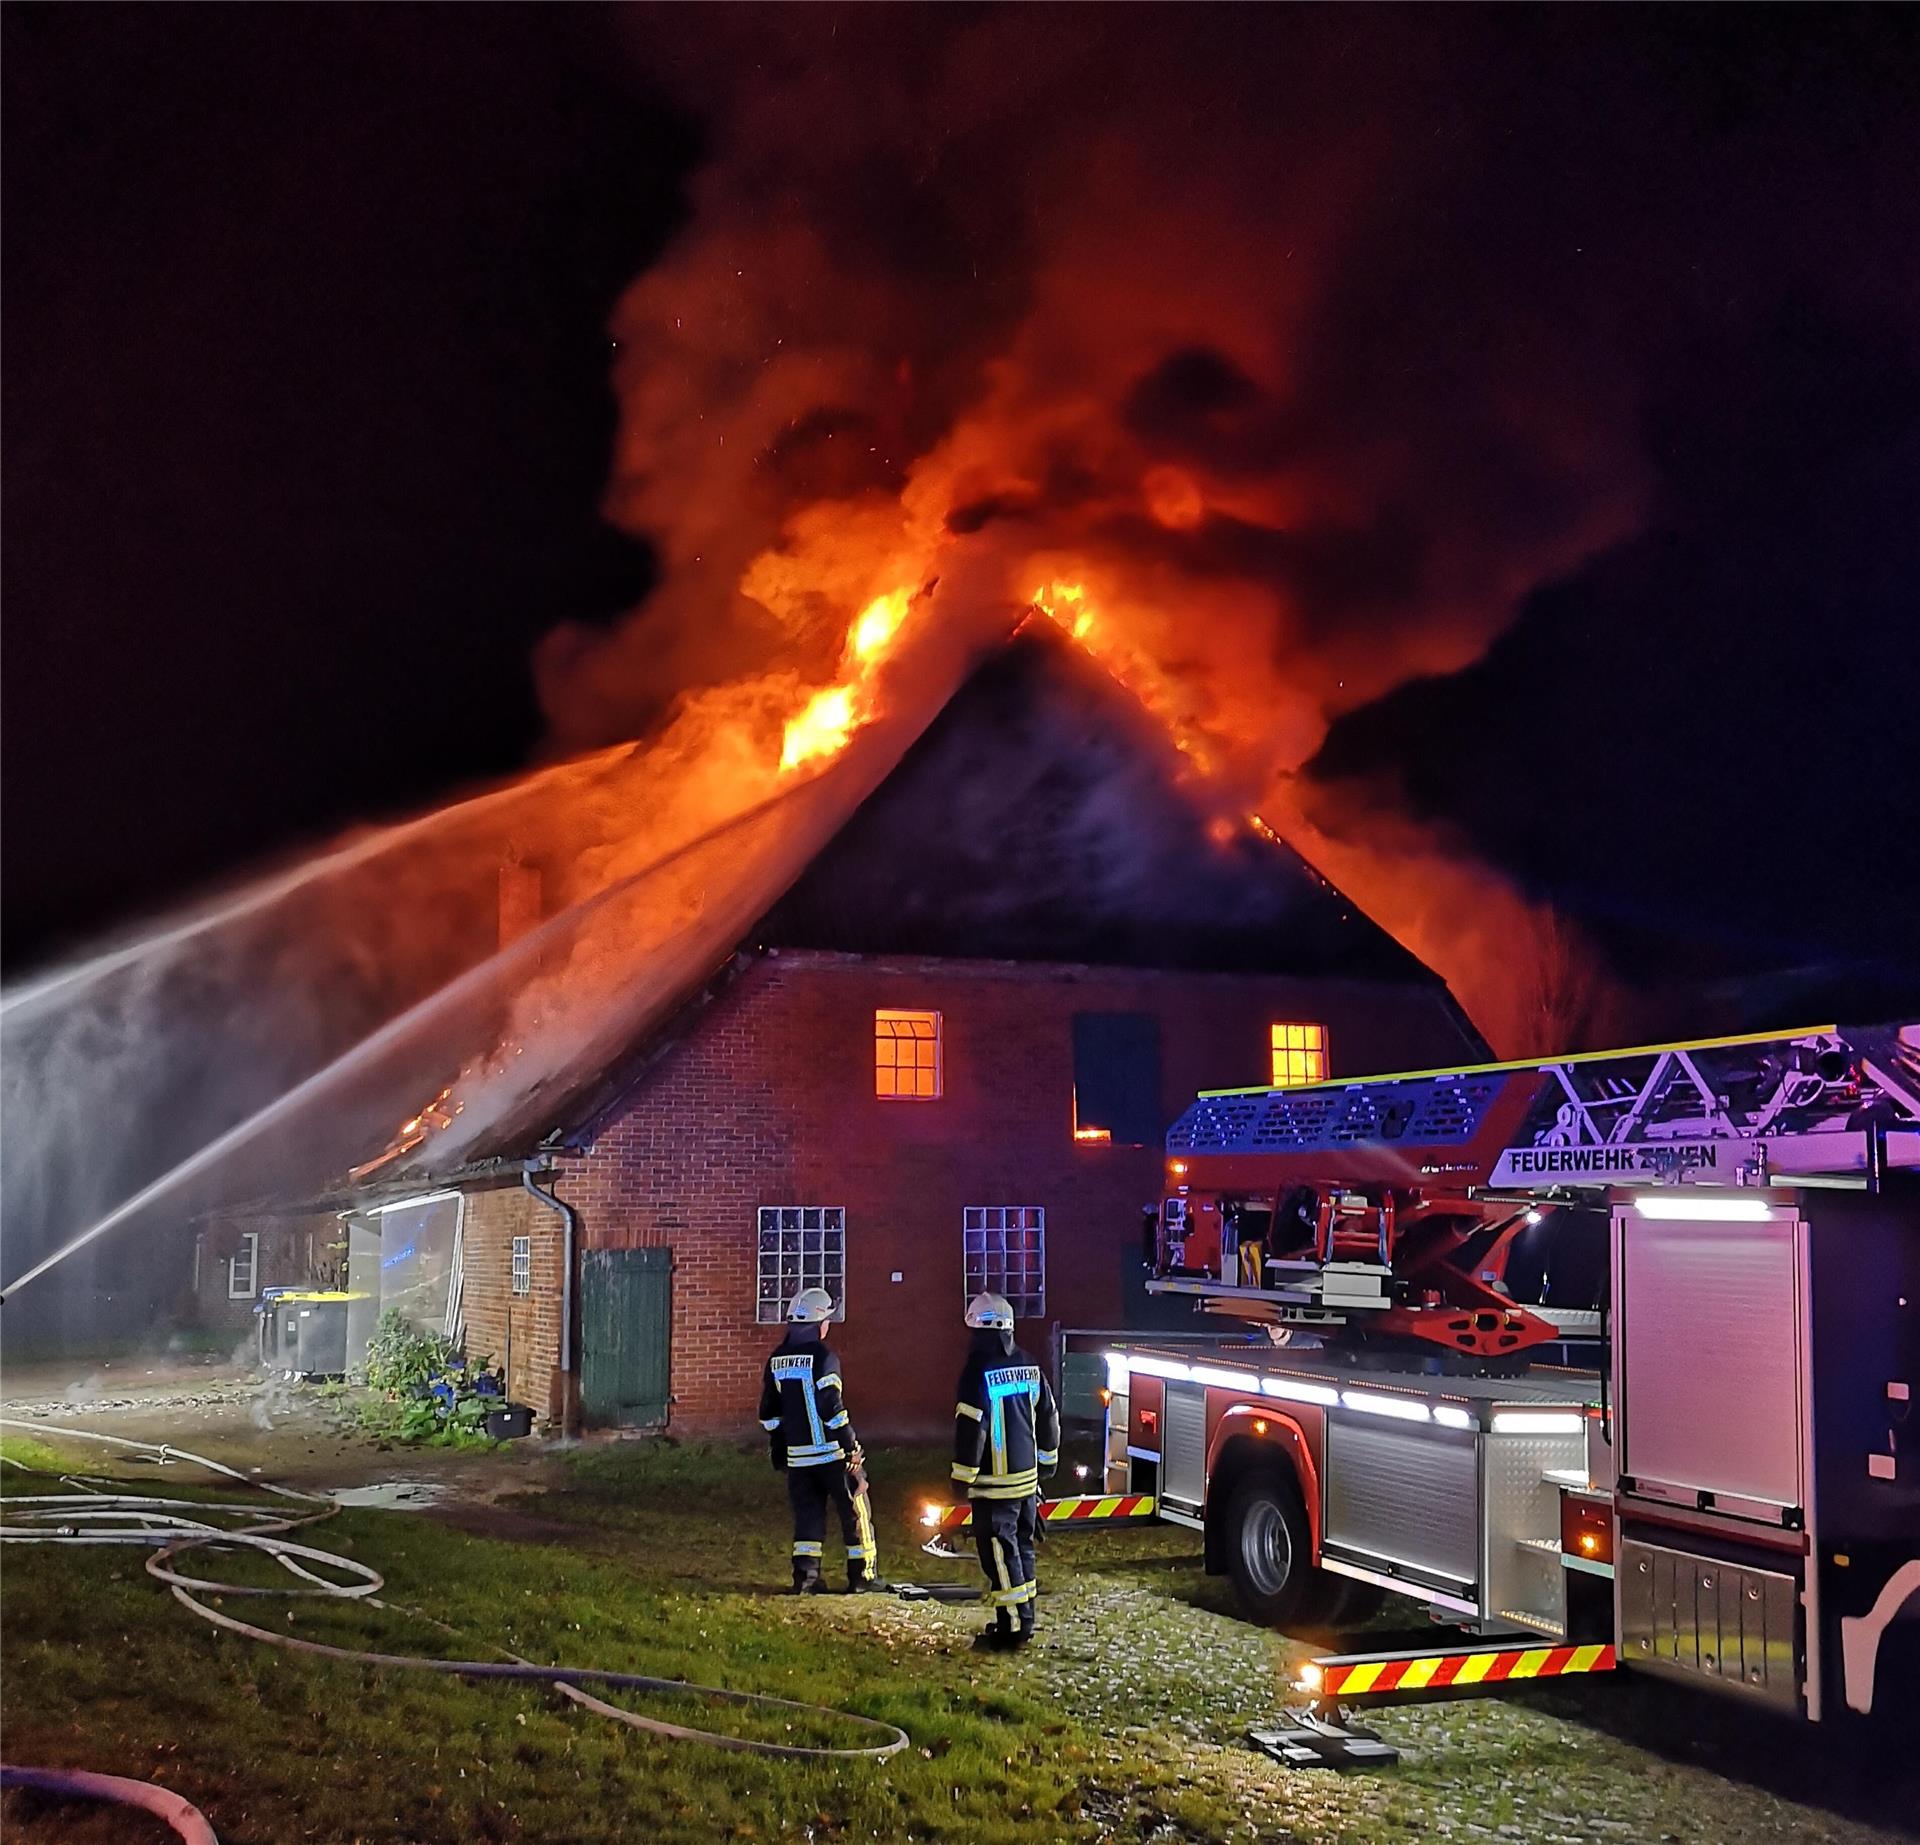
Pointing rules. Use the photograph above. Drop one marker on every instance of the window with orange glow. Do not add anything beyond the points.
(1299, 1055)
(906, 1056)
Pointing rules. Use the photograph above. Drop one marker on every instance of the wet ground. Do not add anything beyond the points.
(298, 1434)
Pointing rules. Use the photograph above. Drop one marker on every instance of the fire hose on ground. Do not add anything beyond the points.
(95, 1516)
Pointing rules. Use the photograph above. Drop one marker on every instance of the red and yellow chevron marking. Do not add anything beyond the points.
(1334, 1678)
(1082, 1508)
(1095, 1505)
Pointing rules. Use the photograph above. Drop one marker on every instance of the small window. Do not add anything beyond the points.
(801, 1246)
(906, 1056)
(243, 1268)
(523, 1265)
(1004, 1251)
(1116, 1079)
(1299, 1055)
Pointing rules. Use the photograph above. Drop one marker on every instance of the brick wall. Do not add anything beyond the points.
(769, 1100)
(518, 1332)
(292, 1252)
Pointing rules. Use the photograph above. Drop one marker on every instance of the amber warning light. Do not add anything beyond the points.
(1586, 1529)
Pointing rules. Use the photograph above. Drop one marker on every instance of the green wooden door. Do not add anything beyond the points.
(626, 1312)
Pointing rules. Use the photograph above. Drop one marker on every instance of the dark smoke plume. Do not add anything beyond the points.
(1308, 340)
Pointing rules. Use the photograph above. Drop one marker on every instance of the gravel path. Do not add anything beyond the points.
(1149, 1654)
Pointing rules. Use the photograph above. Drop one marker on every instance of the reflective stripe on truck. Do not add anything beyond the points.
(1082, 1508)
(1355, 1675)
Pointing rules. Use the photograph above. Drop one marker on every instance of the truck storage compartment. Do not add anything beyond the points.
(1183, 1455)
(1710, 1363)
(1404, 1501)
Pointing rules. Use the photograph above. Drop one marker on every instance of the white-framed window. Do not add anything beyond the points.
(906, 1056)
(1299, 1054)
(243, 1268)
(1004, 1251)
(801, 1246)
(523, 1265)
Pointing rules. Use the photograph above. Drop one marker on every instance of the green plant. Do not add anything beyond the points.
(400, 1357)
(427, 1389)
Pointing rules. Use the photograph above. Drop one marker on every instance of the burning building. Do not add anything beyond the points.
(941, 1059)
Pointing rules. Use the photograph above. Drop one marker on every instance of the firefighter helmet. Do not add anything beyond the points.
(811, 1307)
(993, 1310)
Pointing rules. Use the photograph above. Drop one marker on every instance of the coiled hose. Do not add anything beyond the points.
(96, 1515)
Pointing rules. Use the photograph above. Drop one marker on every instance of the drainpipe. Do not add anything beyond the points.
(570, 1218)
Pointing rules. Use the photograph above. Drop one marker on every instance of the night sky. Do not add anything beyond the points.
(308, 423)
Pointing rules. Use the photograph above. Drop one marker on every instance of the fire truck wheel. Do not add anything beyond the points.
(1267, 1547)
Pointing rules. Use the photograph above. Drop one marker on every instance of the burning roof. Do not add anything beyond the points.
(1041, 816)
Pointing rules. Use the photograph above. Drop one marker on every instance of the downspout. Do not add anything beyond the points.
(570, 1218)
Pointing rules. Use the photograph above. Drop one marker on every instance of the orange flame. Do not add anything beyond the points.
(825, 724)
(821, 729)
(1069, 608)
(879, 622)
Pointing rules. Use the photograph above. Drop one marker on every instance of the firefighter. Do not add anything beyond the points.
(813, 1443)
(1006, 1435)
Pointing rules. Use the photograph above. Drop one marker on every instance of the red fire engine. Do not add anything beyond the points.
(1606, 1360)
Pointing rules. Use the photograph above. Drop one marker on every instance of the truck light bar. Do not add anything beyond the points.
(1403, 1408)
(1121, 1364)
(1537, 1422)
(1707, 1209)
(1449, 1417)
(1224, 1380)
(1155, 1367)
(1290, 1392)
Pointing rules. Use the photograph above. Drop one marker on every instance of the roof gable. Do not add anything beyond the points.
(1042, 816)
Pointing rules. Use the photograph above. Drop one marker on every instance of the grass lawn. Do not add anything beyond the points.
(1122, 1722)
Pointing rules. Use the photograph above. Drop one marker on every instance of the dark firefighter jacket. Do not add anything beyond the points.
(1005, 1426)
(800, 1404)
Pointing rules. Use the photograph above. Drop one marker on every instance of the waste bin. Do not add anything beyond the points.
(303, 1331)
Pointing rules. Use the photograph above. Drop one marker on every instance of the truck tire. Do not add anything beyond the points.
(1268, 1548)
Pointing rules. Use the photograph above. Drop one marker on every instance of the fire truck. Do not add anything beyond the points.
(1607, 1361)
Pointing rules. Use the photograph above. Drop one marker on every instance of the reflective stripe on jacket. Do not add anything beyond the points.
(800, 1402)
(1005, 1425)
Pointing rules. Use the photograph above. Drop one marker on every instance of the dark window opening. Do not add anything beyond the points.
(1116, 1078)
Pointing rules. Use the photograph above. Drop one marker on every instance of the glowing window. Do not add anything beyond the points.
(906, 1056)
(1299, 1055)
(801, 1246)
(1004, 1251)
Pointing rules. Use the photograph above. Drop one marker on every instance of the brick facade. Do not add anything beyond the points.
(769, 1100)
(518, 1332)
(292, 1252)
